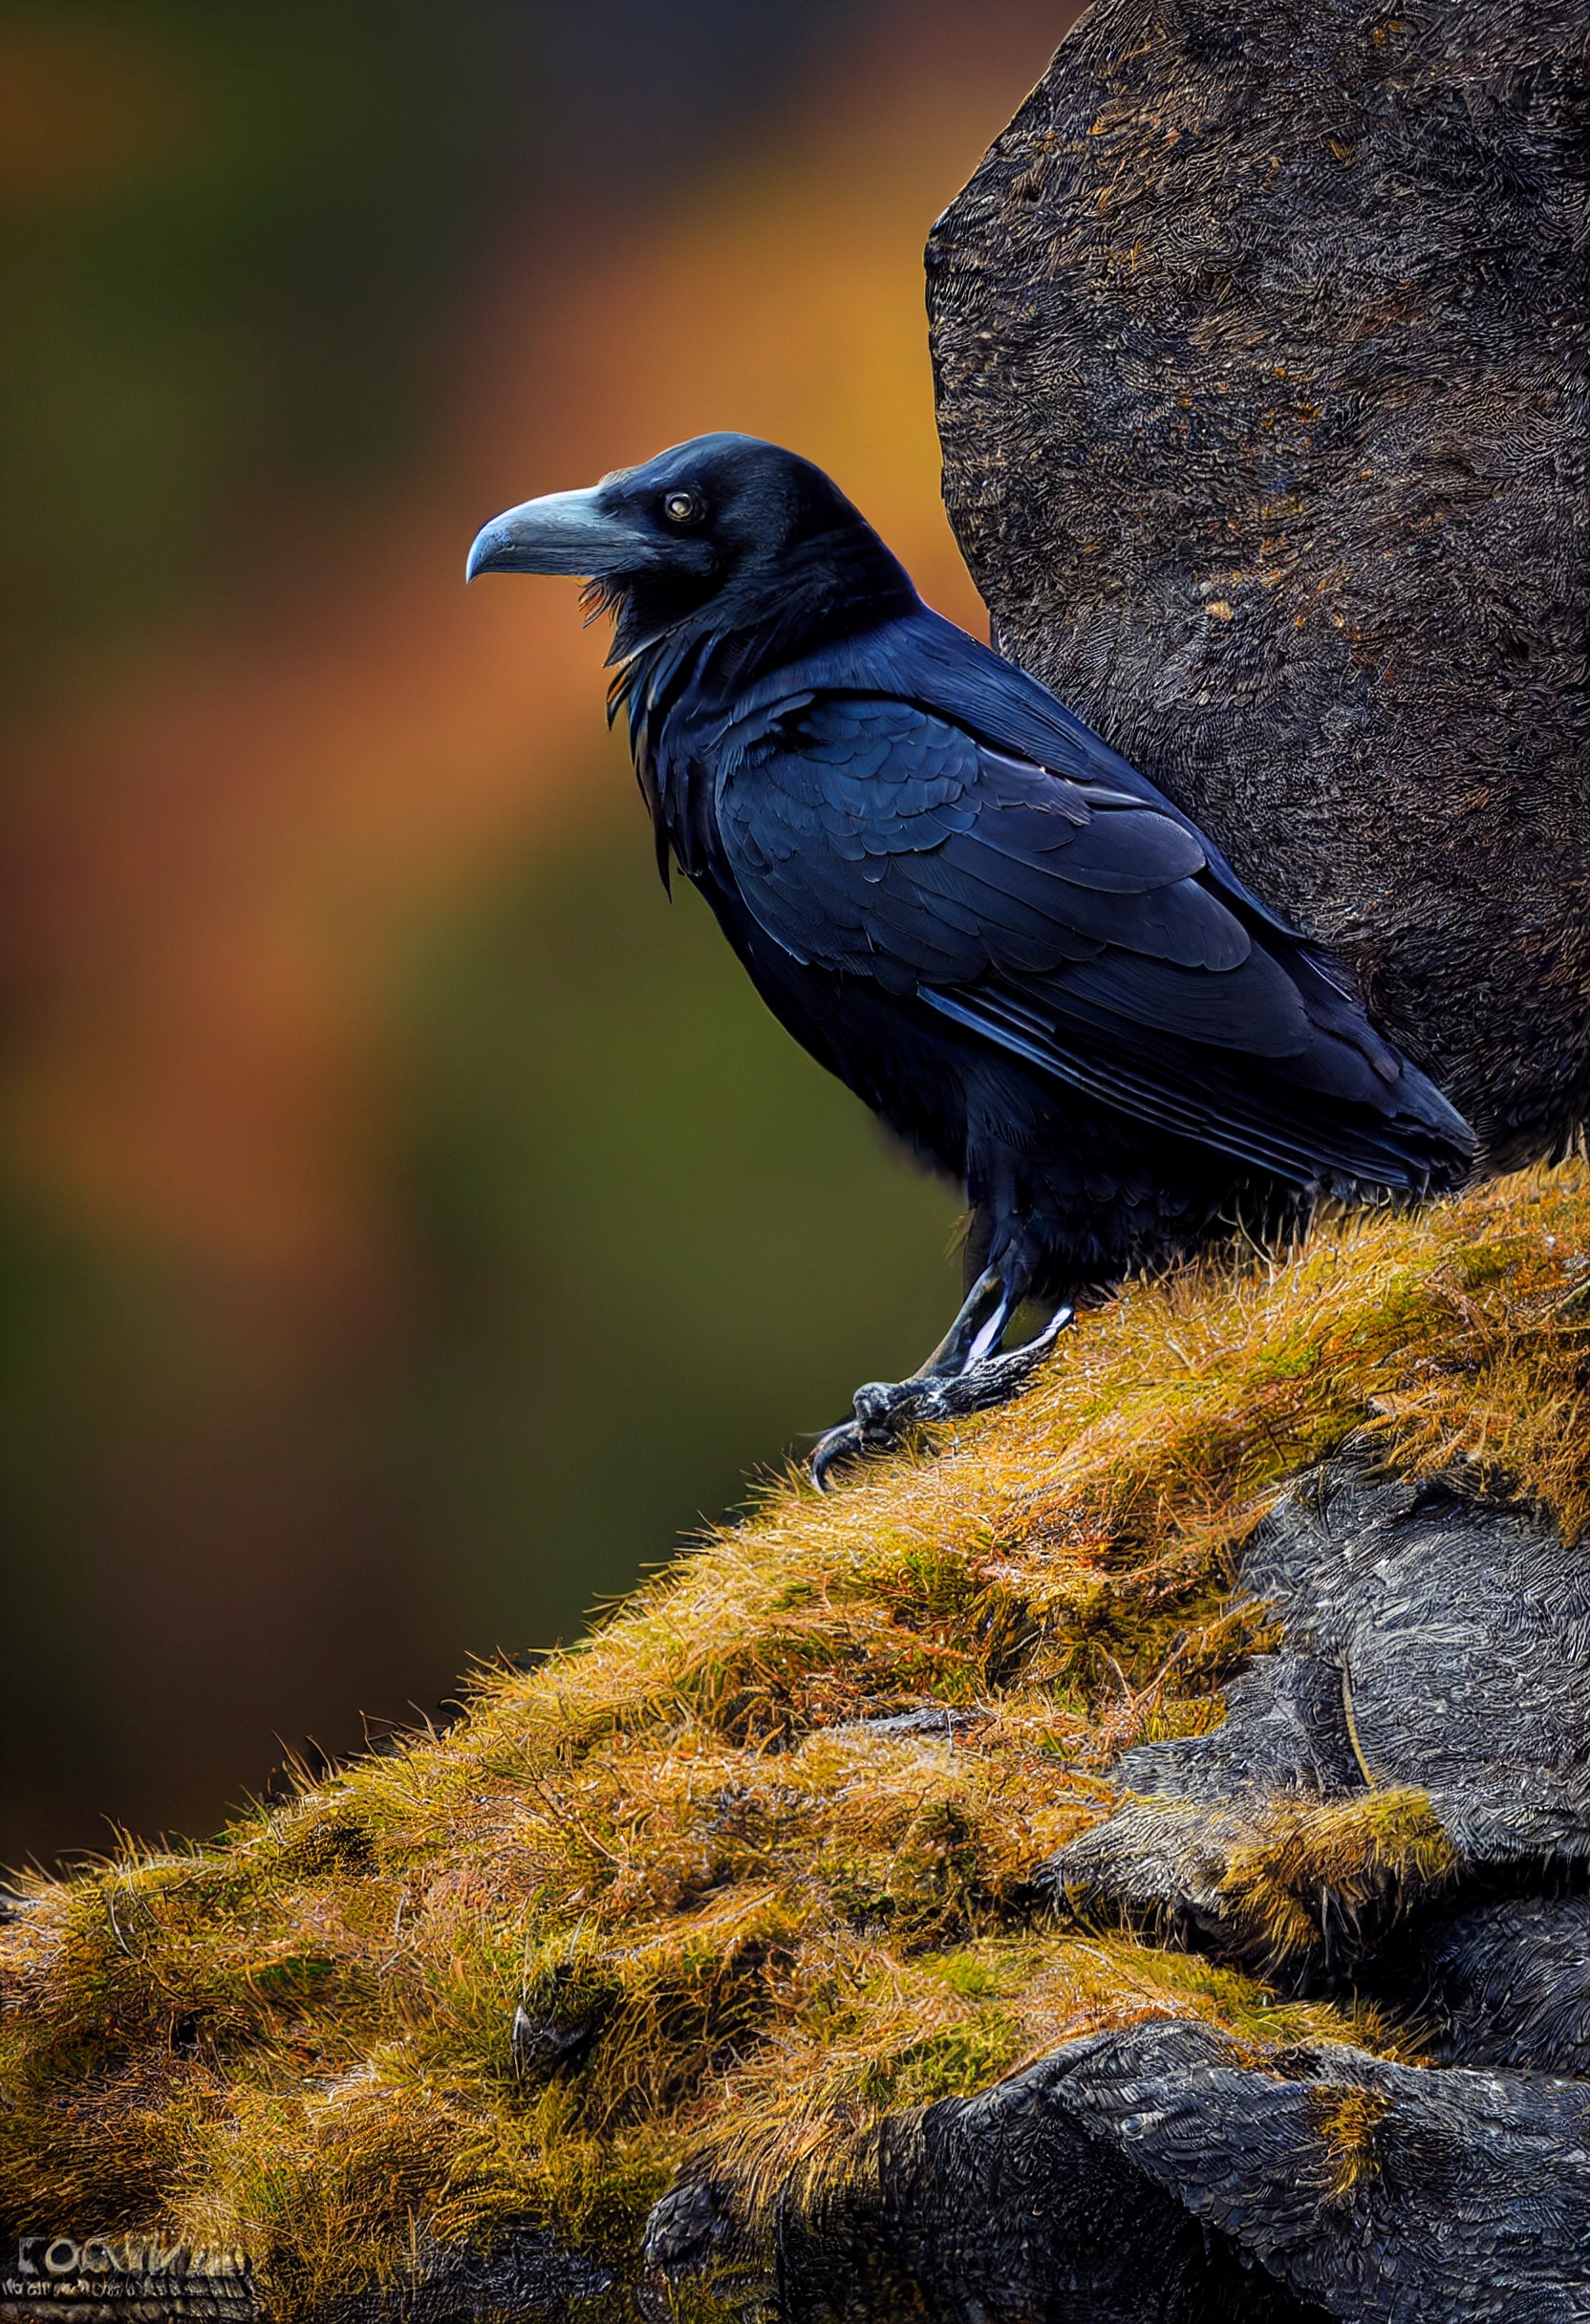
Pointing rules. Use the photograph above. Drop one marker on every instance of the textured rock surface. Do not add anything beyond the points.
(522, 2271)
(1380, 2191)
(1350, 2187)
(1167, 2172)
(1431, 1644)
(1261, 348)
(1507, 1983)
(1009, 2206)
(1461, 1635)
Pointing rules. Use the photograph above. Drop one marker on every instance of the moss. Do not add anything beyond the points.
(743, 1913)
(1310, 1874)
(1349, 2119)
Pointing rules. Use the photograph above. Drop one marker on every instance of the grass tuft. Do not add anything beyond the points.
(1311, 1874)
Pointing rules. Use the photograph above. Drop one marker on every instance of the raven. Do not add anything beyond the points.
(1003, 939)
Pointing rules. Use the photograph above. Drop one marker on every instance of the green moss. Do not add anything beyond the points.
(965, 1973)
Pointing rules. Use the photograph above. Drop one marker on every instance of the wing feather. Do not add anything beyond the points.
(1061, 918)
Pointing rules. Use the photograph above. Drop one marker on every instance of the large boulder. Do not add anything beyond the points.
(1260, 338)
(1302, 2185)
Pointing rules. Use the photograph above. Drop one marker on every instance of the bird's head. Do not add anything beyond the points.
(724, 533)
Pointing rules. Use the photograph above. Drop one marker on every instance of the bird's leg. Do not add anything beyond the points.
(986, 1305)
(965, 1373)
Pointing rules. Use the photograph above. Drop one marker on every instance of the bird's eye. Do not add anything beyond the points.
(681, 507)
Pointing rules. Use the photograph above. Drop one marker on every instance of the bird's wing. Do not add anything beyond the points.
(920, 657)
(1063, 920)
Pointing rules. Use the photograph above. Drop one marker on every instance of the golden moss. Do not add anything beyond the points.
(748, 1904)
(1311, 1872)
(1349, 2119)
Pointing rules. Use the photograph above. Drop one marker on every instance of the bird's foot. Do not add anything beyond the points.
(885, 1411)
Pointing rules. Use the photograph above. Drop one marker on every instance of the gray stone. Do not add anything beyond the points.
(1261, 340)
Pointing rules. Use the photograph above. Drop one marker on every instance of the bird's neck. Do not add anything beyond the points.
(710, 664)
(746, 624)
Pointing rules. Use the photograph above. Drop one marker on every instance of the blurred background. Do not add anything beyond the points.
(410, 1224)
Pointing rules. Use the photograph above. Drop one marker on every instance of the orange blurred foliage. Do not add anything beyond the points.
(82, 106)
(223, 857)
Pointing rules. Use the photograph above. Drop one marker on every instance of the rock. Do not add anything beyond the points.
(1007, 2206)
(1422, 1733)
(1380, 2191)
(1434, 1680)
(1302, 2184)
(1505, 1983)
(1261, 341)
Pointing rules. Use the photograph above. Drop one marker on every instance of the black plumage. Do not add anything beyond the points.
(988, 925)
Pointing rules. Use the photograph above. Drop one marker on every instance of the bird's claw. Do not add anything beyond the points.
(881, 1414)
(885, 1411)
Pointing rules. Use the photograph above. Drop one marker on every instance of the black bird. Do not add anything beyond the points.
(962, 901)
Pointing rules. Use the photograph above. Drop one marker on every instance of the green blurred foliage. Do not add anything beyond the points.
(657, 1240)
(215, 251)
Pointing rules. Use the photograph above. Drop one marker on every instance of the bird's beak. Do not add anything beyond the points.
(564, 532)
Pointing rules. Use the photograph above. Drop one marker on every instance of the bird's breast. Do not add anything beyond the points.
(685, 806)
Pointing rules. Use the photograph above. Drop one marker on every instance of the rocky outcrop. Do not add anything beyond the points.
(1395, 1810)
(1262, 347)
(1122, 1861)
(1434, 1686)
